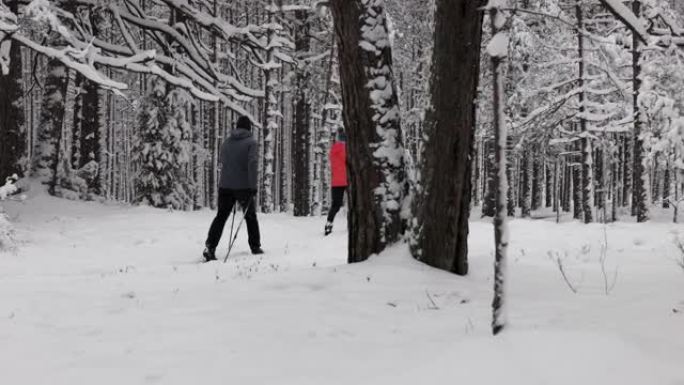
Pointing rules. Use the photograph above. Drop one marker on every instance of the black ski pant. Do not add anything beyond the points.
(337, 199)
(226, 201)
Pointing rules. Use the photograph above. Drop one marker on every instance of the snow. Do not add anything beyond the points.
(388, 151)
(8, 20)
(111, 294)
(8, 24)
(498, 46)
(9, 188)
(7, 235)
(41, 11)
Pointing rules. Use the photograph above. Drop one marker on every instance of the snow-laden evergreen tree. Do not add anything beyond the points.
(164, 148)
(51, 121)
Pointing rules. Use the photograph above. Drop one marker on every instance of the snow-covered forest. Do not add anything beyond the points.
(515, 180)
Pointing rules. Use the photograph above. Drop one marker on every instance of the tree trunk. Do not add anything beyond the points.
(500, 225)
(537, 180)
(549, 189)
(509, 177)
(443, 207)
(577, 192)
(599, 171)
(587, 169)
(477, 171)
(12, 119)
(324, 139)
(270, 116)
(371, 117)
(566, 183)
(627, 171)
(489, 202)
(640, 178)
(301, 131)
(666, 186)
(526, 183)
(86, 147)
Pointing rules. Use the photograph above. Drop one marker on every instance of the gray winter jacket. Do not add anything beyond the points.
(239, 161)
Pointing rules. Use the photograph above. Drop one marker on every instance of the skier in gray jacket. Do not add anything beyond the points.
(238, 183)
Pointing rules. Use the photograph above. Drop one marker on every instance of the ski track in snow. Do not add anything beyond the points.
(112, 294)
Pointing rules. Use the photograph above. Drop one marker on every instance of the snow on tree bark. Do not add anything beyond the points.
(587, 187)
(640, 176)
(497, 50)
(271, 109)
(375, 156)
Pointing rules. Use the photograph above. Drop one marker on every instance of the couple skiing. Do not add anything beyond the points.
(238, 185)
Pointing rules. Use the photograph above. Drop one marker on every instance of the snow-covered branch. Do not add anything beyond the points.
(182, 60)
(631, 21)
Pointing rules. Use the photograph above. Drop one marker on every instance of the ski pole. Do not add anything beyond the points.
(237, 230)
(232, 222)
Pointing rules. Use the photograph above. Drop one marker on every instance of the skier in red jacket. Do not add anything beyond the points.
(338, 168)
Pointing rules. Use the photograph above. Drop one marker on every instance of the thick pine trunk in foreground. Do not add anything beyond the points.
(375, 165)
(442, 209)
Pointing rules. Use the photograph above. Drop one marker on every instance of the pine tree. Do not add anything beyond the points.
(164, 149)
(51, 120)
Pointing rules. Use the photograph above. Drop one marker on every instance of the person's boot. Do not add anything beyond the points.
(257, 251)
(209, 254)
(328, 228)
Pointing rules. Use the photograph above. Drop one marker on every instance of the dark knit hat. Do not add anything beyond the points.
(244, 122)
(341, 135)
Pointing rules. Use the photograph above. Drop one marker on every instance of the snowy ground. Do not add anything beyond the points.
(102, 294)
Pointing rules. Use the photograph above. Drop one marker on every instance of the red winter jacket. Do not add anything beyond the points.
(338, 164)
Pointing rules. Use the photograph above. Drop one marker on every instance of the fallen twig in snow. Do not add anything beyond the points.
(608, 287)
(680, 246)
(559, 262)
(434, 305)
